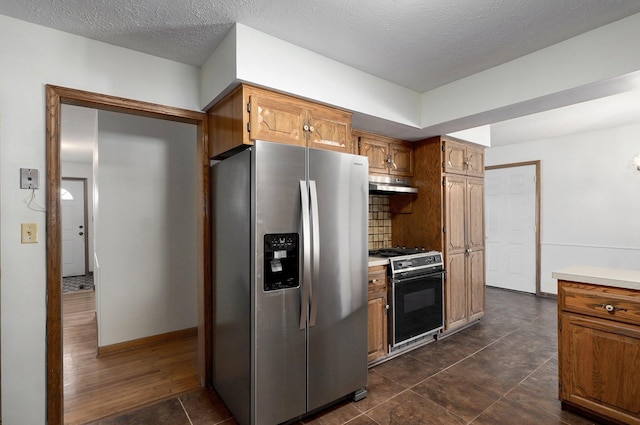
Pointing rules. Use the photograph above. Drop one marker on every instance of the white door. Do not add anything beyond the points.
(510, 206)
(74, 228)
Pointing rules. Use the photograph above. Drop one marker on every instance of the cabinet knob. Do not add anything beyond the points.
(373, 281)
(386, 307)
(610, 308)
(312, 128)
(305, 127)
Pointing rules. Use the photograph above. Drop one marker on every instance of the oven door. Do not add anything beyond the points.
(417, 307)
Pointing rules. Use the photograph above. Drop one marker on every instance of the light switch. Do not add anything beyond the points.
(29, 232)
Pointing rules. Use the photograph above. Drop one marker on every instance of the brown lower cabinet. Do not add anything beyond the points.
(599, 350)
(378, 307)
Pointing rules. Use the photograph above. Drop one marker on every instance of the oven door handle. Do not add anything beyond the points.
(399, 279)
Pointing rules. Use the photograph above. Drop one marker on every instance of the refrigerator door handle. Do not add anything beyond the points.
(316, 252)
(306, 254)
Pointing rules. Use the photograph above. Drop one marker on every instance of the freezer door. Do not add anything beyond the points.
(279, 342)
(338, 317)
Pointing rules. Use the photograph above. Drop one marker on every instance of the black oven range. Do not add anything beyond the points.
(416, 293)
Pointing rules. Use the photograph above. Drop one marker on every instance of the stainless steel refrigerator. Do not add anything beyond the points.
(290, 280)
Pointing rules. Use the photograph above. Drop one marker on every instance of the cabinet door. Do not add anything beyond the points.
(377, 329)
(600, 366)
(377, 152)
(476, 284)
(475, 161)
(377, 325)
(329, 129)
(455, 190)
(475, 213)
(401, 159)
(454, 157)
(276, 119)
(455, 291)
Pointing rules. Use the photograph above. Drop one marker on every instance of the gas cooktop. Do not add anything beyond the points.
(396, 252)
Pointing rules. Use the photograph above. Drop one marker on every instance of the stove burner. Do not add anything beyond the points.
(395, 252)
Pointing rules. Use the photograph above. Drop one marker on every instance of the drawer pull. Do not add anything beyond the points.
(373, 281)
(610, 308)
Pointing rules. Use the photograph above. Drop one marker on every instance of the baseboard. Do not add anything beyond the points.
(148, 340)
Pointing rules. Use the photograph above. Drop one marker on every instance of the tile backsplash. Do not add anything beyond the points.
(379, 222)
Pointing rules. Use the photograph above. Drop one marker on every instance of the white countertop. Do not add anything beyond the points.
(378, 261)
(629, 279)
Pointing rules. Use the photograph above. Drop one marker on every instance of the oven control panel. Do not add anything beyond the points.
(415, 265)
(430, 260)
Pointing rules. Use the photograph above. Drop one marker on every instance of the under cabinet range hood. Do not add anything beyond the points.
(388, 185)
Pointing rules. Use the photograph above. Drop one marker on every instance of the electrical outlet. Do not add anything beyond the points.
(29, 232)
(28, 178)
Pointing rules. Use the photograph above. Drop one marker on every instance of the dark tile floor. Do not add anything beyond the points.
(500, 371)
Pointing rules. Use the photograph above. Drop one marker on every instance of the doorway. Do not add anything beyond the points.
(56, 96)
(513, 226)
(74, 227)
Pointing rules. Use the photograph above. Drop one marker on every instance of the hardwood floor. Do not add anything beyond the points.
(95, 388)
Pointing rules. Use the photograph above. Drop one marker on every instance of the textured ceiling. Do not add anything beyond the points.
(418, 44)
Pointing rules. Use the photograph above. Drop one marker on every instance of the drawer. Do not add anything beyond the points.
(377, 278)
(622, 305)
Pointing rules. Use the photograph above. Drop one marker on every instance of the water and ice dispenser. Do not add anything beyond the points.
(281, 261)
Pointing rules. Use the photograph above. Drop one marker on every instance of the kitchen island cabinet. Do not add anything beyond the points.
(378, 307)
(599, 342)
(448, 215)
(250, 113)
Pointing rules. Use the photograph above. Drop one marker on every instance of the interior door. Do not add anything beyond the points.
(511, 227)
(74, 228)
(338, 336)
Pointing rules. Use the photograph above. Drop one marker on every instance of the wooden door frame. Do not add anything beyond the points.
(84, 180)
(537, 212)
(55, 97)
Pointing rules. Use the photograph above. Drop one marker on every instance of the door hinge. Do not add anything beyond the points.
(560, 386)
(359, 143)
(560, 326)
(444, 182)
(443, 148)
(249, 127)
(249, 107)
(444, 229)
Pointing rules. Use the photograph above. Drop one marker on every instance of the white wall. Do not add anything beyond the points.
(145, 227)
(590, 198)
(265, 60)
(85, 171)
(30, 57)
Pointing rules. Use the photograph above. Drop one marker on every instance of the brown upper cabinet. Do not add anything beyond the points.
(386, 155)
(462, 158)
(249, 113)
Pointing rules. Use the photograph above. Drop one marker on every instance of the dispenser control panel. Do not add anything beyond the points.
(281, 261)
